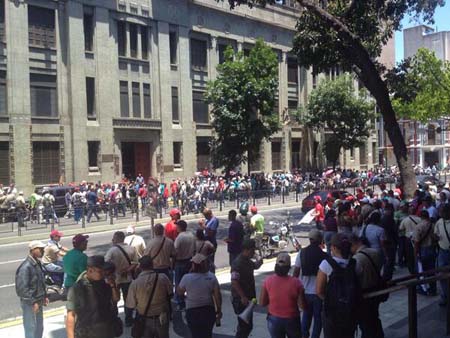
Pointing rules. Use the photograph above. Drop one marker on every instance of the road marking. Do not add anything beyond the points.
(7, 285)
(10, 262)
(18, 320)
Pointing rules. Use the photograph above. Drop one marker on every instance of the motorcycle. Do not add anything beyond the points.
(54, 284)
(279, 240)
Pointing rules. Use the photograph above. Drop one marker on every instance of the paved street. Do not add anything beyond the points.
(12, 254)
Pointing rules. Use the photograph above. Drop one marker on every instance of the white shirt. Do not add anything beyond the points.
(309, 282)
(136, 242)
(439, 230)
(326, 268)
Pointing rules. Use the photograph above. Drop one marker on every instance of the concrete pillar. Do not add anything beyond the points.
(128, 44)
(139, 41)
(18, 79)
(108, 98)
(213, 57)
(185, 97)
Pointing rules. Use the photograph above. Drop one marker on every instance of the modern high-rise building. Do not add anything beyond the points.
(428, 143)
(97, 90)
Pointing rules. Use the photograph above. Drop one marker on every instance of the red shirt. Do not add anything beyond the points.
(283, 295)
(320, 213)
(171, 230)
(174, 188)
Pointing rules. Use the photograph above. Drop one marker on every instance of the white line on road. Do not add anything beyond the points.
(7, 286)
(13, 261)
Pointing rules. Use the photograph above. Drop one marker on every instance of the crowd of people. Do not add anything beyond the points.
(355, 247)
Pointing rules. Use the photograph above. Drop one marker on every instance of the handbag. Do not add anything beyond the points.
(137, 331)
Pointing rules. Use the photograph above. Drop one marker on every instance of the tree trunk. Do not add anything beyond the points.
(353, 50)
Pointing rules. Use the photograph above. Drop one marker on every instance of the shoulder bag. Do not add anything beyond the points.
(137, 331)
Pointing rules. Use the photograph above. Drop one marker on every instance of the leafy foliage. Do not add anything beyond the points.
(243, 100)
(335, 107)
(421, 87)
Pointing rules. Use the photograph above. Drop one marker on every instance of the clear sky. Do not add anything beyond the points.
(442, 23)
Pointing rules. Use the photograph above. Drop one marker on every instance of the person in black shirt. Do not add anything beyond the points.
(243, 284)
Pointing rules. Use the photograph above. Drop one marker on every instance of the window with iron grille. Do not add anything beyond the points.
(93, 152)
(46, 162)
(200, 107)
(90, 97)
(222, 48)
(3, 94)
(122, 38)
(144, 42)
(124, 99)
(136, 93)
(41, 27)
(276, 155)
(88, 26)
(177, 149)
(199, 54)
(173, 42)
(133, 39)
(4, 163)
(292, 70)
(43, 95)
(147, 101)
(175, 108)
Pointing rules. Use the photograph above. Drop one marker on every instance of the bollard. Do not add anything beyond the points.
(220, 204)
(237, 201)
(448, 309)
(296, 196)
(83, 219)
(412, 311)
(137, 211)
(268, 196)
(282, 196)
(110, 215)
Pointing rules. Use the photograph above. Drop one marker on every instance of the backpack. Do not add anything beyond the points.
(47, 201)
(343, 296)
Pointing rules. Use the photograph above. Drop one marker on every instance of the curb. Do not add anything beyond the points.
(15, 321)
(120, 225)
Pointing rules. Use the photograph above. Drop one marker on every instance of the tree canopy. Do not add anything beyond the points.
(351, 34)
(420, 87)
(243, 99)
(335, 107)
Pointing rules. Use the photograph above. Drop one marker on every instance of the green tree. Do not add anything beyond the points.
(421, 87)
(335, 107)
(243, 100)
(351, 34)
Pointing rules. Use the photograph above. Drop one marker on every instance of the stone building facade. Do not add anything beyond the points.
(97, 89)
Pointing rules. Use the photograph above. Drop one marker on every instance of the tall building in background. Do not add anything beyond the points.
(99, 90)
(427, 143)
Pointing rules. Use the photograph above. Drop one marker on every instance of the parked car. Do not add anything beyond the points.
(308, 202)
(429, 180)
(59, 192)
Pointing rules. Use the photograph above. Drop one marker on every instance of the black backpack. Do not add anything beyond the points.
(343, 296)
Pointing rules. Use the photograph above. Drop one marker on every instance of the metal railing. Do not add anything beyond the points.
(411, 282)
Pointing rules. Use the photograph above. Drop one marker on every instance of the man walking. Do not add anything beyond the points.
(243, 284)
(150, 295)
(91, 303)
(171, 227)
(92, 200)
(161, 250)
(136, 241)
(124, 258)
(30, 287)
(306, 268)
(235, 236)
(75, 261)
(185, 249)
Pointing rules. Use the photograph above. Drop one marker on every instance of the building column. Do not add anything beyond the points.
(185, 104)
(283, 104)
(18, 80)
(213, 57)
(128, 44)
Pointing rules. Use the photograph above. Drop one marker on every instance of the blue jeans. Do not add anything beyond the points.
(327, 235)
(33, 323)
(428, 258)
(443, 260)
(282, 327)
(313, 310)
(182, 267)
(77, 213)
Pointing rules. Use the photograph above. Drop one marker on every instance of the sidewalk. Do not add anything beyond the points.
(41, 231)
(393, 314)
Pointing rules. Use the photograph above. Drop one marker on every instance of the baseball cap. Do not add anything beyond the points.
(78, 239)
(283, 259)
(56, 233)
(317, 198)
(316, 235)
(96, 261)
(174, 212)
(253, 209)
(198, 258)
(36, 244)
(130, 230)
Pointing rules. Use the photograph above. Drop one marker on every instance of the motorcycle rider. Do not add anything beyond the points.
(257, 224)
(244, 217)
(54, 252)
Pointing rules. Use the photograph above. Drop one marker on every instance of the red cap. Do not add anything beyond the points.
(174, 212)
(253, 209)
(78, 239)
(318, 198)
(56, 233)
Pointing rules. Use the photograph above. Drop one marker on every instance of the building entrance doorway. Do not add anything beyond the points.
(136, 158)
(431, 158)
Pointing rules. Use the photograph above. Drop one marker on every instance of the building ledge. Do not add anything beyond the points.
(128, 123)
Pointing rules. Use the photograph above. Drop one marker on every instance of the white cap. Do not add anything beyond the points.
(35, 244)
(130, 230)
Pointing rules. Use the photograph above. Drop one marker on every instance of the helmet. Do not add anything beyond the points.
(254, 209)
(243, 209)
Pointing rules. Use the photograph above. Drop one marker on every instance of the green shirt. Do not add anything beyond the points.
(257, 222)
(75, 262)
